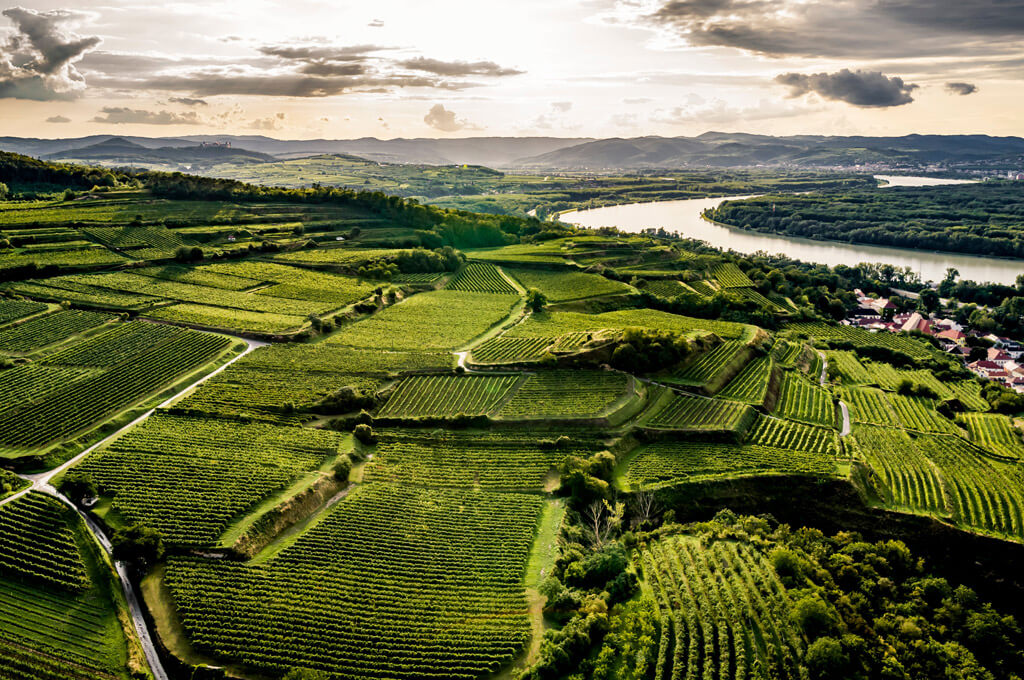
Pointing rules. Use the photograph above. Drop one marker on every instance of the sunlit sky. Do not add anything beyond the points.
(566, 68)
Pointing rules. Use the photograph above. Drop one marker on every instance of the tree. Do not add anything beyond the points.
(825, 658)
(139, 544)
(536, 300)
(929, 300)
(602, 519)
(365, 434)
(78, 485)
(4, 191)
(643, 506)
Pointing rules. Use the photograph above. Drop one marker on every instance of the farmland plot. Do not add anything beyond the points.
(566, 394)
(800, 400)
(448, 395)
(400, 582)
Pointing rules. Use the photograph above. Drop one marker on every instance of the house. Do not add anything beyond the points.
(998, 356)
(956, 337)
(912, 323)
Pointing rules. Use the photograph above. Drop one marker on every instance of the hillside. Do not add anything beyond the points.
(743, 150)
(338, 435)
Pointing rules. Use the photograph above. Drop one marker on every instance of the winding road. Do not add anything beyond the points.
(41, 482)
(823, 379)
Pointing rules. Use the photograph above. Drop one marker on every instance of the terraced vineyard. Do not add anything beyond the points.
(189, 477)
(729, 275)
(905, 476)
(477, 277)
(862, 338)
(562, 286)
(984, 495)
(750, 385)
(453, 459)
(995, 433)
(800, 400)
(712, 599)
(703, 369)
(566, 394)
(674, 462)
(685, 412)
(416, 324)
(786, 434)
(848, 367)
(870, 405)
(403, 582)
(448, 395)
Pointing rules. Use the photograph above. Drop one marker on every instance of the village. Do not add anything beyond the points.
(988, 356)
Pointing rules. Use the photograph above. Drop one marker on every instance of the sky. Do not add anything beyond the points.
(464, 68)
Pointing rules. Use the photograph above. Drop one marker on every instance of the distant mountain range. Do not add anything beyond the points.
(722, 149)
(490, 151)
(711, 149)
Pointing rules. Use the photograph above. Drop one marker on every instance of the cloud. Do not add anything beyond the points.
(444, 120)
(120, 115)
(38, 60)
(866, 29)
(275, 122)
(58, 119)
(188, 101)
(561, 107)
(320, 52)
(867, 89)
(961, 89)
(717, 112)
(376, 23)
(458, 68)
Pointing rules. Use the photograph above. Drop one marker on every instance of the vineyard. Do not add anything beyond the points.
(566, 394)
(552, 324)
(46, 330)
(448, 395)
(109, 371)
(437, 320)
(906, 477)
(995, 433)
(453, 459)
(859, 337)
(189, 477)
(729, 275)
(477, 277)
(724, 612)
(562, 286)
(396, 582)
(12, 310)
(673, 462)
(55, 624)
(750, 385)
(800, 400)
(685, 412)
(786, 434)
(705, 367)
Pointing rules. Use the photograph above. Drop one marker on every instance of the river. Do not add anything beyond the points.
(684, 217)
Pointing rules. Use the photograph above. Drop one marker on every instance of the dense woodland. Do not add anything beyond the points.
(983, 219)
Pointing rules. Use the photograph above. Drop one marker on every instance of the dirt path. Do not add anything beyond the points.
(823, 379)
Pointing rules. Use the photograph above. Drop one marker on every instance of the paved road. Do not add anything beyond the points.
(41, 483)
(823, 379)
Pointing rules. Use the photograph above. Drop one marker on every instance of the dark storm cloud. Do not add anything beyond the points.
(38, 60)
(188, 101)
(866, 89)
(855, 28)
(961, 89)
(458, 68)
(122, 115)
